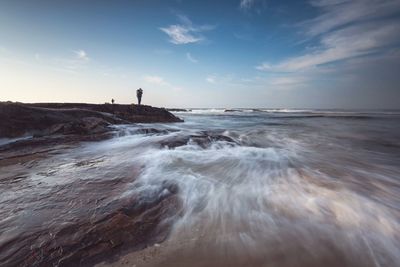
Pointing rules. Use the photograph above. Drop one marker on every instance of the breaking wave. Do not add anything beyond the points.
(256, 189)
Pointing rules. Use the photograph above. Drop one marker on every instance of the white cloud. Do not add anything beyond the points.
(337, 13)
(280, 81)
(186, 32)
(74, 64)
(288, 81)
(155, 80)
(159, 81)
(191, 58)
(246, 4)
(225, 79)
(181, 35)
(354, 38)
(340, 45)
(211, 79)
(81, 55)
(265, 67)
(256, 6)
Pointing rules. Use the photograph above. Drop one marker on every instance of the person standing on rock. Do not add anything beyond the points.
(139, 93)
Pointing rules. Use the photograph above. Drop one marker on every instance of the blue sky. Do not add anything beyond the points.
(237, 53)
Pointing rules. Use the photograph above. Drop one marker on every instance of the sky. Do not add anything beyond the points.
(222, 54)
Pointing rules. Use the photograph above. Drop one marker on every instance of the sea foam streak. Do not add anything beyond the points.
(284, 187)
(246, 203)
(256, 189)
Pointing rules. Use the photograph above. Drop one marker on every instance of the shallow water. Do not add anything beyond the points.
(258, 187)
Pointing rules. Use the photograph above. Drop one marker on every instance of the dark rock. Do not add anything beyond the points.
(87, 125)
(18, 119)
(121, 226)
(178, 110)
(204, 140)
(152, 131)
(101, 225)
(171, 187)
(175, 141)
(233, 110)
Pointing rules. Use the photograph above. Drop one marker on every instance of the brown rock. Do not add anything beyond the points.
(18, 119)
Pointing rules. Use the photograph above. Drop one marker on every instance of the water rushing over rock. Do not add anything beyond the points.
(249, 188)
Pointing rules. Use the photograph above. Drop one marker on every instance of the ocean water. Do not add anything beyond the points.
(296, 188)
(265, 187)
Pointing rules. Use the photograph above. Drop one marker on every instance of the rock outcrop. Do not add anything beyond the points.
(79, 222)
(98, 224)
(17, 119)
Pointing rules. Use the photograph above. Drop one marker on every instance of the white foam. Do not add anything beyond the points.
(5, 141)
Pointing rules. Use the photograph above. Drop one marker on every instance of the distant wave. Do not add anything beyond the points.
(284, 110)
(333, 116)
(207, 111)
(6, 141)
(318, 112)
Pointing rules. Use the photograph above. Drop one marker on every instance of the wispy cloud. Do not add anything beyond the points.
(73, 64)
(160, 81)
(224, 79)
(346, 29)
(246, 4)
(211, 79)
(287, 82)
(181, 35)
(253, 5)
(155, 80)
(81, 55)
(186, 32)
(191, 58)
(338, 13)
(340, 45)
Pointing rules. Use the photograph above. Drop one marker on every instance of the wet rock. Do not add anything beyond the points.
(122, 226)
(178, 110)
(175, 141)
(17, 119)
(204, 140)
(81, 222)
(85, 126)
(171, 187)
(233, 110)
(23, 150)
(153, 131)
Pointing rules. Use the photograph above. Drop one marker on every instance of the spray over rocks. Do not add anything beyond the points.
(229, 189)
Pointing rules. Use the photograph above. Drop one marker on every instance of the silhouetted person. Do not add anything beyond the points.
(139, 93)
(112, 101)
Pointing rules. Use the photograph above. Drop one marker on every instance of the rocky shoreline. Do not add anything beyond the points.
(43, 119)
(72, 235)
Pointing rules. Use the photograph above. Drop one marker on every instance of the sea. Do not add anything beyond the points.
(258, 187)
